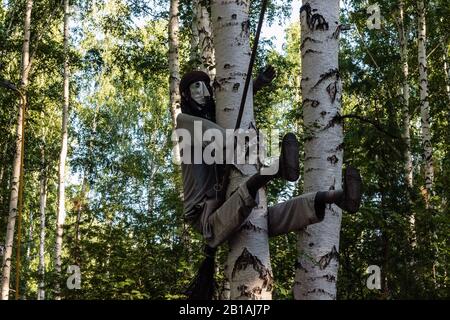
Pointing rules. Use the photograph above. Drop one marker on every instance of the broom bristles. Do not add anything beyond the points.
(203, 285)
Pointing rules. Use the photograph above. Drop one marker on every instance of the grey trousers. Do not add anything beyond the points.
(217, 225)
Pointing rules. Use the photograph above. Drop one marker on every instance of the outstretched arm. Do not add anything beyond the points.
(264, 79)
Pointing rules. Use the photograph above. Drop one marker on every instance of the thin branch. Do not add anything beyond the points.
(11, 86)
(376, 125)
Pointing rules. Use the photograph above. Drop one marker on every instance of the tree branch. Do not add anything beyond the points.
(376, 125)
(11, 86)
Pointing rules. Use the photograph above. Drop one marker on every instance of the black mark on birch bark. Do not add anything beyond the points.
(321, 291)
(250, 226)
(332, 90)
(236, 87)
(309, 51)
(310, 103)
(299, 266)
(315, 21)
(247, 259)
(333, 159)
(310, 40)
(326, 259)
(245, 27)
(335, 120)
(327, 75)
(251, 294)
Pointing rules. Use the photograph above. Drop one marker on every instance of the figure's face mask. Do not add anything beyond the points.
(199, 92)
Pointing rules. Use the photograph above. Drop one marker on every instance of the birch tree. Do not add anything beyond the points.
(408, 165)
(206, 40)
(25, 69)
(248, 268)
(424, 103)
(61, 216)
(202, 40)
(318, 245)
(174, 69)
(405, 95)
(42, 207)
(446, 70)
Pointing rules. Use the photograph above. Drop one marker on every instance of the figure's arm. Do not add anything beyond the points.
(264, 79)
(186, 121)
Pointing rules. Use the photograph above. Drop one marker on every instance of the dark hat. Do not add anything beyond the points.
(192, 77)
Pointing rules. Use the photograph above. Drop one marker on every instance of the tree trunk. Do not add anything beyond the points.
(406, 93)
(63, 154)
(446, 70)
(248, 266)
(42, 206)
(318, 244)
(405, 112)
(174, 70)
(424, 103)
(194, 54)
(206, 45)
(16, 171)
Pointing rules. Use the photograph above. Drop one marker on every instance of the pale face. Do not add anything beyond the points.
(199, 92)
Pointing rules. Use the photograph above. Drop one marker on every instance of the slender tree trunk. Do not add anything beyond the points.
(446, 70)
(63, 154)
(318, 245)
(206, 41)
(406, 93)
(424, 103)
(174, 70)
(248, 266)
(30, 238)
(2, 175)
(202, 45)
(405, 112)
(42, 206)
(6, 273)
(194, 54)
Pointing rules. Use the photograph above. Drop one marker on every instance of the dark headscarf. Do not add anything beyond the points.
(189, 105)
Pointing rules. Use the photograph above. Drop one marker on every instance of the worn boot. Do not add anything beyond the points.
(351, 198)
(289, 166)
(289, 158)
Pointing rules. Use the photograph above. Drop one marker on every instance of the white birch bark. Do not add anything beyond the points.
(424, 103)
(42, 206)
(9, 240)
(318, 244)
(248, 268)
(446, 70)
(206, 41)
(174, 70)
(194, 54)
(61, 216)
(406, 94)
(408, 165)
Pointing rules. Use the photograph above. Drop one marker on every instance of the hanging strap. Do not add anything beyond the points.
(250, 65)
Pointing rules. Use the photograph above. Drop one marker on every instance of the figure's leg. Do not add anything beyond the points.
(218, 225)
(289, 166)
(295, 214)
(309, 208)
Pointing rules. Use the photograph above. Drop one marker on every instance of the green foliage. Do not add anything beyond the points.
(133, 241)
